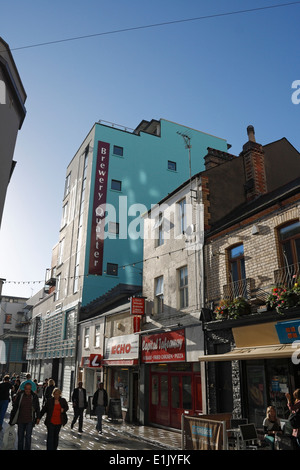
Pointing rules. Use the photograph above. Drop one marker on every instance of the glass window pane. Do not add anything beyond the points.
(237, 251)
(154, 390)
(297, 244)
(175, 391)
(289, 231)
(164, 401)
(187, 392)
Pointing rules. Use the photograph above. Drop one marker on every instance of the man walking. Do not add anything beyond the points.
(79, 404)
(99, 405)
(25, 413)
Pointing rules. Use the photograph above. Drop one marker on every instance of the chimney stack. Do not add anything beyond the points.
(254, 165)
(251, 134)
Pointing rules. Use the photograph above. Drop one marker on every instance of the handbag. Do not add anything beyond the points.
(294, 420)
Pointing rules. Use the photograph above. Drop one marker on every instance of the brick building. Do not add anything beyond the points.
(251, 248)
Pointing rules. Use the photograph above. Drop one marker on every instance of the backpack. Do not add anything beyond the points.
(294, 420)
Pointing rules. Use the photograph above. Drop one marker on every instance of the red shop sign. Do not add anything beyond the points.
(137, 306)
(164, 347)
(95, 360)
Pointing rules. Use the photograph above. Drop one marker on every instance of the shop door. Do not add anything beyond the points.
(181, 398)
(159, 408)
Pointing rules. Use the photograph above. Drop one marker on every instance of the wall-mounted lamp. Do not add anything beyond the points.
(255, 230)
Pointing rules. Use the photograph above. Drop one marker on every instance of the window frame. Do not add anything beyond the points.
(110, 269)
(291, 241)
(159, 294)
(172, 163)
(115, 147)
(116, 181)
(183, 289)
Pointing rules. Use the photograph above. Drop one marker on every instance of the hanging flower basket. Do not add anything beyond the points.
(283, 298)
(231, 310)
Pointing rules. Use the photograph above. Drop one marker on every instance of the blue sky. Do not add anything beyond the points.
(217, 75)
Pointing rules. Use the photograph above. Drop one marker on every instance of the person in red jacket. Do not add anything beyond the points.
(56, 409)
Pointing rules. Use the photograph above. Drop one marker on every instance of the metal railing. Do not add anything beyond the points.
(287, 276)
(241, 288)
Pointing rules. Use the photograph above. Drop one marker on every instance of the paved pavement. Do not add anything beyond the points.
(116, 435)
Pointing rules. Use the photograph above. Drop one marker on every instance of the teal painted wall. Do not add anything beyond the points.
(143, 171)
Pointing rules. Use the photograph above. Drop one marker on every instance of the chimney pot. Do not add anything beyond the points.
(251, 133)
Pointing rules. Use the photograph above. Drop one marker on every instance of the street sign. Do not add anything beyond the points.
(95, 360)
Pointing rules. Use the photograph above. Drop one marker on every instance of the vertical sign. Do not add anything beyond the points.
(98, 217)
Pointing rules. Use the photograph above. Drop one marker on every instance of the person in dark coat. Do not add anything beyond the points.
(79, 404)
(5, 388)
(100, 401)
(56, 409)
(49, 390)
(25, 413)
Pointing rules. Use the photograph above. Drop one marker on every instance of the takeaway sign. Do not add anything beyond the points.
(121, 350)
(164, 347)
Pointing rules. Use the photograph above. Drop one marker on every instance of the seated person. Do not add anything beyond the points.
(271, 426)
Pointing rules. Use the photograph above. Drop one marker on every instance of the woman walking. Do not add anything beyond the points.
(56, 409)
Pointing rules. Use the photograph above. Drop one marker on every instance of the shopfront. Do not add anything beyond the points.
(174, 379)
(269, 355)
(120, 362)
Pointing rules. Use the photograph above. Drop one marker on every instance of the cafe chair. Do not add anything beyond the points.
(248, 437)
(233, 432)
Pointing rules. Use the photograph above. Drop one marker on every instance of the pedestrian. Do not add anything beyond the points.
(25, 413)
(5, 388)
(79, 404)
(15, 389)
(55, 408)
(28, 380)
(99, 405)
(294, 407)
(271, 426)
(49, 390)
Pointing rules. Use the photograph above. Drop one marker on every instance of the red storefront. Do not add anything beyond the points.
(174, 381)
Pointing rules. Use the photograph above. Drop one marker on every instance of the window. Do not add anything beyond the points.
(159, 294)
(97, 336)
(57, 290)
(87, 337)
(113, 227)
(171, 165)
(116, 185)
(183, 287)
(237, 272)
(158, 226)
(118, 151)
(182, 216)
(8, 317)
(289, 238)
(64, 215)
(67, 185)
(60, 252)
(112, 269)
(70, 325)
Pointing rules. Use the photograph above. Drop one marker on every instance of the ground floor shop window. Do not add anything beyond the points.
(120, 386)
(267, 382)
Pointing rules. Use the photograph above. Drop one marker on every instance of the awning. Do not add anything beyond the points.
(261, 352)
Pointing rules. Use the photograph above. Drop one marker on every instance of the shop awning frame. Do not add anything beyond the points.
(275, 351)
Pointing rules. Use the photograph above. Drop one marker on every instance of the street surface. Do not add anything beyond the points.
(116, 436)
